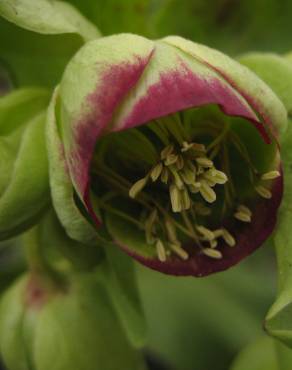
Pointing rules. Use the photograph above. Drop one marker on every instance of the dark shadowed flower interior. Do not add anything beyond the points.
(184, 185)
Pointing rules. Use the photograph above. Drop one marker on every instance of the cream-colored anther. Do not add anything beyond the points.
(137, 187)
(271, 175)
(207, 192)
(156, 171)
(213, 253)
(263, 192)
(177, 249)
(204, 162)
(208, 234)
(228, 238)
(175, 198)
(161, 253)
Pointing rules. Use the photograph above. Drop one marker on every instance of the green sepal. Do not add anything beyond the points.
(275, 70)
(72, 325)
(120, 279)
(279, 317)
(13, 351)
(24, 186)
(56, 244)
(39, 37)
(63, 195)
(80, 330)
(17, 107)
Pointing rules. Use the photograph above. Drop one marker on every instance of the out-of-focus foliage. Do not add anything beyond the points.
(233, 26)
(201, 324)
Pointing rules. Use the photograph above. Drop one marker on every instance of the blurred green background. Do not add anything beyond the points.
(234, 26)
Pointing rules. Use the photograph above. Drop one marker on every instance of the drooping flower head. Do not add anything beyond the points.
(172, 147)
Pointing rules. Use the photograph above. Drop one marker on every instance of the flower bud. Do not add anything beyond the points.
(206, 126)
(24, 185)
(72, 326)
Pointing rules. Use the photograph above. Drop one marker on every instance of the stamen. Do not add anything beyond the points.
(166, 151)
(188, 176)
(207, 192)
(175, 198)
(241, 216)
(204, 162)
(271, 175)
(171, 231)
(156, 171)
(263, 192)
(137, 187)
(186, 201)
(170, 159)
(195, 146)
(165, 175)
(201, 209)
(213, 253)
(213, 243)
(161, 253)
(242, 208)
(178, 181)
(180, 163)
(218, 176)
(228, 238)
(195, 187)
(149, 223)
(179, 251)
(208, 234)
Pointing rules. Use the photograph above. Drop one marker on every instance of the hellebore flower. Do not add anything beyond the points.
(172, 147)
(72, 325)
(24, 183)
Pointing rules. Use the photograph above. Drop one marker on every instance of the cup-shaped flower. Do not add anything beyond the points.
(170, 145)
(73, 325)
(24, 183)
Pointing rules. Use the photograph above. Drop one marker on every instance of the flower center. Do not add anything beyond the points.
(176, 182)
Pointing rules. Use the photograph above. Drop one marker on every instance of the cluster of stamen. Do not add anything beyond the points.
(186, 172)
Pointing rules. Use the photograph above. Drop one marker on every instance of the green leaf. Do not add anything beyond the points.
(70, 216)
(48, 17)
(121, 282)
(27, 193)
(52, 32)
(259, 355)
(79, 330)
(24, 185)
(19, 106)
